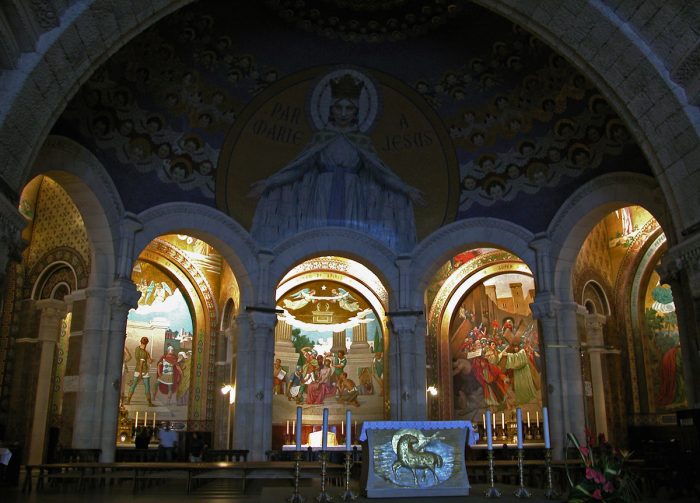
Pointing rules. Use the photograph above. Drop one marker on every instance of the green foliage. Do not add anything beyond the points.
(652, 321)
(606, 477)
(378, 347)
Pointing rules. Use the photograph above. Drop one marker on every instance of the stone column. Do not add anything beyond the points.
(407, 384)
(339, 342)
(242, 411)
(359, 338)
(253, 407)
(680, 268)
(284, 349)
(52, 313)
(87, 428)
(595, 347)
(564, 382)
(123, 296)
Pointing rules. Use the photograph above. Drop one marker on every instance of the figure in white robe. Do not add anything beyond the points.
(338, 180)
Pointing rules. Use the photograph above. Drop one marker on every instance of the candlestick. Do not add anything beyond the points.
(545, 419)
(154, 420)
(494, 423)
(519, 420)
(483, 419)
(324, 443)
(298, 431)
(348, 437)
(489, 437)
(136, 424)
(528, 419)
(287, 431)
(537, 419)
(145, 418)
(342, 427)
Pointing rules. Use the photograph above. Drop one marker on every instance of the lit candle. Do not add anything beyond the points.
(137, 419)
(489, 436)
(287, 431)
(154, 419)
(537, 418)
(495, 425)
(503, 420)
(545, 419)
(348, 438)
(145, 417)
(298, 429)
(483, 419)
(528, 419)
(519, 419)
(324, 445)
(355, 432)
(342, 427)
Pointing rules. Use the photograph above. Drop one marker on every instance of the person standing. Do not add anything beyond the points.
(167, 442)
(142, 361)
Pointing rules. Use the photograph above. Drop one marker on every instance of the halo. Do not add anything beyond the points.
(321, 99)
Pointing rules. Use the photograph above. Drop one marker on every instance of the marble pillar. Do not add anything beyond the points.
(253, 407)
(87, 427)
(564, 381)
(52, 313)
(407, 376)
(359, 338)
(339, 342)
(595, 345)
(122, 297)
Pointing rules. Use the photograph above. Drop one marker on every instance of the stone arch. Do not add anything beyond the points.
(53, 263)
(88, 33)
(92, 191)
(443, 244)
(336, 241)
(584, 209)
(594, 298)
(636, 82)
(208, 224)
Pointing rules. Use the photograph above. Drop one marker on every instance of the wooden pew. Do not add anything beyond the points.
(141, 473)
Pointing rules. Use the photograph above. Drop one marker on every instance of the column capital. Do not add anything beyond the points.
(404, 323)
(262, 320)
(683, 258)
(124, 295)
(51, 308)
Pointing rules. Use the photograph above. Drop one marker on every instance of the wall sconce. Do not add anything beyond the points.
(432, 390)
(229, 390)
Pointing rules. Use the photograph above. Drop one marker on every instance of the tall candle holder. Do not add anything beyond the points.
(323, 496)
(296, 497)
(504, 432)
(521, 492)
(491, 492)
(348, 495)
(550, 493)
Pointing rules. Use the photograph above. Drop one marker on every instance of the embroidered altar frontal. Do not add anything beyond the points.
(416, 458)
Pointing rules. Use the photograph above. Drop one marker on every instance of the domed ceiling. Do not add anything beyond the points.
(475, 115)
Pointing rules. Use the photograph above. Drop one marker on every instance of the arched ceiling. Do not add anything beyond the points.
(525, 127)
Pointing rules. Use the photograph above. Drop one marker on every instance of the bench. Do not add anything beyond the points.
(140, 473)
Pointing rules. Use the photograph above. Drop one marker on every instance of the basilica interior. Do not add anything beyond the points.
(214, 213)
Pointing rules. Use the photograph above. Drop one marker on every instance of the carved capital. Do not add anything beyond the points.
(123, 296)
(684, 258)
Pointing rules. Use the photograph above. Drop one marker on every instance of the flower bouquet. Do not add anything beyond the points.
(606, 477)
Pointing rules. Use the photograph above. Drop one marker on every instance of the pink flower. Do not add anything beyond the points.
(590, 473)
(584, 451)
(599, 478)
(597, 494)
(608, 487)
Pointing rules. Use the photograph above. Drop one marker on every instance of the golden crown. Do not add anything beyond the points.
(346, 87)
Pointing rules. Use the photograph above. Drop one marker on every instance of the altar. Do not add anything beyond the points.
(415, 458)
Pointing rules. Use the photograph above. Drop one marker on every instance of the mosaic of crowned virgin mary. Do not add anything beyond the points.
(338, 179)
